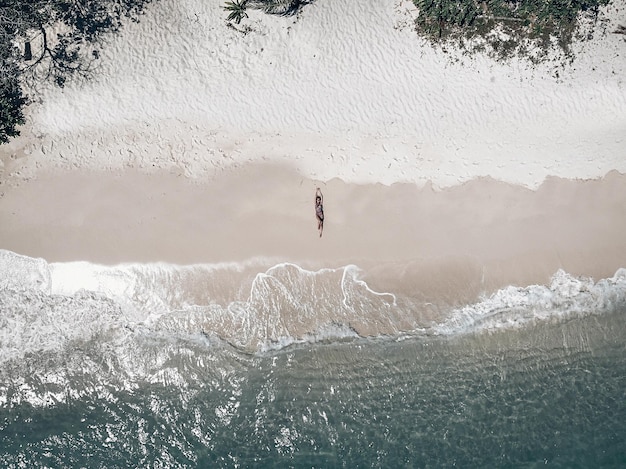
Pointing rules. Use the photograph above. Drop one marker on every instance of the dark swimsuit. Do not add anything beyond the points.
(319, 211)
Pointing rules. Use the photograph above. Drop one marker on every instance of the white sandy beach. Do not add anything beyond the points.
(194, 143)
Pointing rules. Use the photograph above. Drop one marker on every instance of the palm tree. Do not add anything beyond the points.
(237, 10)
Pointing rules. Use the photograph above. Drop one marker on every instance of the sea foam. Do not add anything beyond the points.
(256, 306)
(566, 297)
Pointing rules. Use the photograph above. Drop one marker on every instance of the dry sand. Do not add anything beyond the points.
(335, 91)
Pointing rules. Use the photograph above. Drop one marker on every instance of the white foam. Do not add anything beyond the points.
(37, 322)
(289, 304)
(254, 310)
(325, 333)
(285, 303)
(513, 307)
(21, 272)
(150, 290)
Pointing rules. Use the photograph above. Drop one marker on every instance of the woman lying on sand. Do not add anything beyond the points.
(319, 210)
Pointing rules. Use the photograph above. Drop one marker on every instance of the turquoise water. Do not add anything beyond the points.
(275, 365)
(553, 393)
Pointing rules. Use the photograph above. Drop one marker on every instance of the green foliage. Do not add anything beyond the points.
(12, 102)
(278, 7)
(237, 9)
(67, 33)
(437, 17)
(520, 24)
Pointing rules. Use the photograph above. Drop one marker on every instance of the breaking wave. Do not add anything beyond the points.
(566, 297)
(256, 306)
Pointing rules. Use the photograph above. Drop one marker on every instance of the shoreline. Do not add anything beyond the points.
(517, 236)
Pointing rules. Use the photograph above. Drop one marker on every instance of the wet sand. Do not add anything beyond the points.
(504, 233)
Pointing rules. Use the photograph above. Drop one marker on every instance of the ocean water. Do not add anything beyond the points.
(269, 364)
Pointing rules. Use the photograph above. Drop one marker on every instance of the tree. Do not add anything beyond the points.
(237, 9)
(12, 102)
(524, 27)
(68, 34)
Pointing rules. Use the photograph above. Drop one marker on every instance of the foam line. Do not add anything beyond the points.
(514, 307)
(47, 307)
